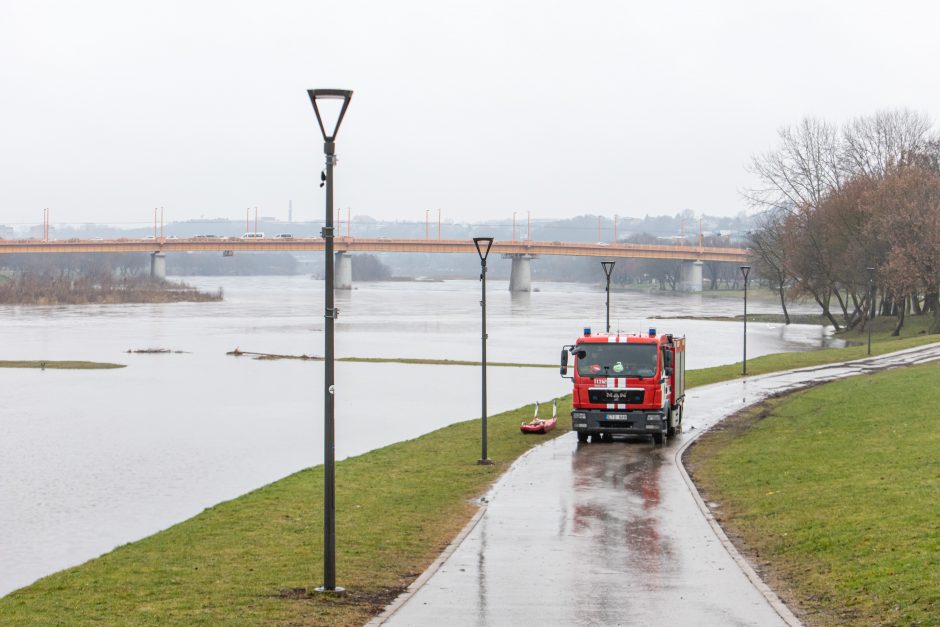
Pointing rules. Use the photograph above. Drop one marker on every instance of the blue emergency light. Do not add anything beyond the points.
(587, 330)
(652, 332)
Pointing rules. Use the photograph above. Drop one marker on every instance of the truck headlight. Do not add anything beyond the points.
(578, 415)
(654, 417)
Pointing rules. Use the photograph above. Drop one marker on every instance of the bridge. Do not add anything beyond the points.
(521, 252)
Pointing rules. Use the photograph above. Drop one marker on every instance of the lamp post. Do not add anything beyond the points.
(745, 270)
(483, 245)
(608, 268)
(334, 102)
(871, 303)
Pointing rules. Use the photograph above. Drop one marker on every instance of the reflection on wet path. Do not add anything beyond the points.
(610, 533)
(616, 497)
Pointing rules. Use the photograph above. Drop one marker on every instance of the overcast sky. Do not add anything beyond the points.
(479, 109)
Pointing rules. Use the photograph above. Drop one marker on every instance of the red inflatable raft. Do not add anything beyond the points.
(537, 425)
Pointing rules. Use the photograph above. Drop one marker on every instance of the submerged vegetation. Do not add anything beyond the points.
(386, 360)
(104, 288)
(60, 365)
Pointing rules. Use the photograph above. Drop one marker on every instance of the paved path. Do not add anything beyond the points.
(611, 533)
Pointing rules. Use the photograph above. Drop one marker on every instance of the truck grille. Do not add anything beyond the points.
(631, 397)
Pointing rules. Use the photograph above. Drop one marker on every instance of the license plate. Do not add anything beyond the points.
(618, 417)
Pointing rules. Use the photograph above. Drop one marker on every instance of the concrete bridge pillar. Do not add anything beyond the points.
(342, 271)
(520, 277)
(690, 276)
(158, 265)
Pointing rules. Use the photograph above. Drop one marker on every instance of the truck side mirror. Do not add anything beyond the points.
(669, 371)
(564, 361)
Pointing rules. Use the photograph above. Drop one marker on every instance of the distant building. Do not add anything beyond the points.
(38, 232)
(6, 232)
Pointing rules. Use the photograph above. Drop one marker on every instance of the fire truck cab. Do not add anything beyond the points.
(629, 384)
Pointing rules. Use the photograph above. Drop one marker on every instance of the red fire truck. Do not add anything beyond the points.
(629, 384)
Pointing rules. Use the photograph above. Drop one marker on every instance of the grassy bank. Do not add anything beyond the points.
(255, 559)
(60, 365)
(835, 494)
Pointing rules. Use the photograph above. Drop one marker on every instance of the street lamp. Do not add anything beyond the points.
(483, 245)
(871, 303)
(745, 270)
(334, 103)
(608, 268)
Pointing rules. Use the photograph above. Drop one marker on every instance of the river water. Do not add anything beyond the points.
(90, 459)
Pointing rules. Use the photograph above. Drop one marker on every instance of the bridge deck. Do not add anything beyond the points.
(359, 244)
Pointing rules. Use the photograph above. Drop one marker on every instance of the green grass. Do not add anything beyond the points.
(835, 494)
(252, 560)
(60, 365)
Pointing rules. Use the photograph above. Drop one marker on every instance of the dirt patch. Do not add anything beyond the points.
(292, 593)
(376, 599)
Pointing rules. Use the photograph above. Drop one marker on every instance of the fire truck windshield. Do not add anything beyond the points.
(617, 360)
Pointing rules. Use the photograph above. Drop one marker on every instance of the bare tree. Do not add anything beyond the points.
(873, 144)
(802, 170)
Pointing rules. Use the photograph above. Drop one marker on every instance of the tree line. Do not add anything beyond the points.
(851, 217)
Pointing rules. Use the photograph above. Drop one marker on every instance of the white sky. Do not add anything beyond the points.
(479, 108)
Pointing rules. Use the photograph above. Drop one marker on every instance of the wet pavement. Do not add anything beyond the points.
(611, 533)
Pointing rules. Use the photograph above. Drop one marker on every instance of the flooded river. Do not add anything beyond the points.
(93, 459)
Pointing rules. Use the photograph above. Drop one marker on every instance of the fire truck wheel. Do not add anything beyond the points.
(670, 428)
(659, 438)
(597, 437)
(582, 436)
